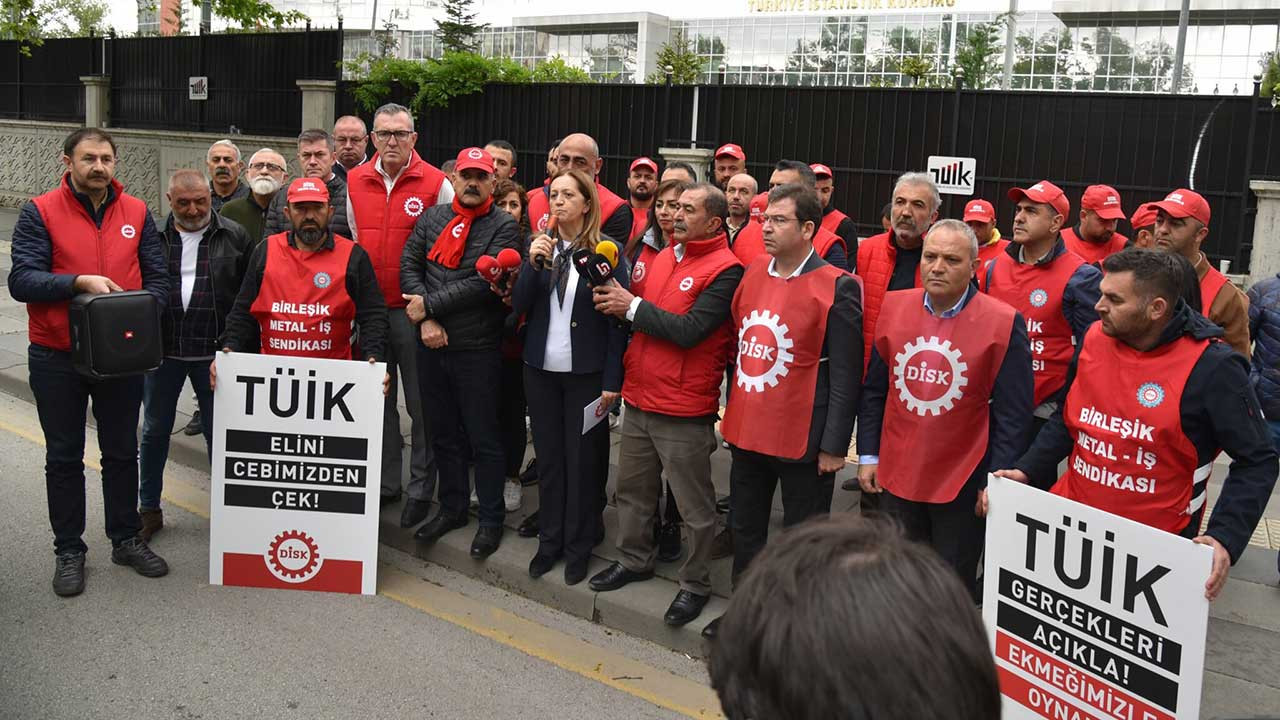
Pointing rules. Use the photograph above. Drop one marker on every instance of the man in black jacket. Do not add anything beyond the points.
(459, 366)
(316, 158)
(790, 415)
(207, 256)
(1155, 374)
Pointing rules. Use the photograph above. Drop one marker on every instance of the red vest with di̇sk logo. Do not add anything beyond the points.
(80, 247)
(781, 324)
(1131, 457)
(383, 221)
(876, 257)
(302, 307)
(1036, 292)
(539, 208)
(941, 374)
(1210, 285)
(1093, 253)
(661, 376)
(640, 270)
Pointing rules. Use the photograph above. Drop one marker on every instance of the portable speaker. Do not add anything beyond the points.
(115, 334)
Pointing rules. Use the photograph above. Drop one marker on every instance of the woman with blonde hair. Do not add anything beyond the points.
(573, 357)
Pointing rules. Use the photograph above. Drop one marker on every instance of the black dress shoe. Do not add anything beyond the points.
(615, 576)
(439, 525)
(195, 426)
(685, 608)
(487, 540)
(541, 564)
(530, 474)
(529, 526)
(385, 500)
(135, 553)
(415, 511)
(68, 574)
(712, 629)
(575, 571)
(669, 542)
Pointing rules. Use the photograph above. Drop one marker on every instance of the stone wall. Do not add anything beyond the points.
(30, 158)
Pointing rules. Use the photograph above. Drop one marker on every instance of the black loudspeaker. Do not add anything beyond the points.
(115, 334)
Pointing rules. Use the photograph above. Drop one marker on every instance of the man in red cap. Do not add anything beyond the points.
(833, 221)
(460, 323)
(729, 161)
(385, 197)
(980, 216)
(641, 184)
(580, 152)
(1095, 237)
(1182, 224)
(1054, 289)
(1143, 223)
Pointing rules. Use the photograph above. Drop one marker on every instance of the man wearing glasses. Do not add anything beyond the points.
(266, 175)
(580, 152)
(386, 198)
(351, 140)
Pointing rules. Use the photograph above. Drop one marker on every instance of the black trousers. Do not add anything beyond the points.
(511, 410)
(752, 480)
(953, 529)
(572, 467)
(62, 396)
(460, 399)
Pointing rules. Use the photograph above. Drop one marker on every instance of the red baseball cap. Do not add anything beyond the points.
(1044, 192)
(980, 210)
(1144, 216)
(1104, 200)
(821, 170)
(307, 189)
(644, 162)
(1184, 203)
(734, 151)
(474, 158)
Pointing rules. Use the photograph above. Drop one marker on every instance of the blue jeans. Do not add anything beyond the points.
(159, 405)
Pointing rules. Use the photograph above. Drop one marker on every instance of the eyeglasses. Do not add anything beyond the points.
(775, 220)
(399, 135)
(265, 166)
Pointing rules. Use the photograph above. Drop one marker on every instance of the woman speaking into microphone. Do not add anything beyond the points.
(572, 358)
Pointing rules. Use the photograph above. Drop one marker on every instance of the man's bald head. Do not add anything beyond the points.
(187, 179)
(579, 151)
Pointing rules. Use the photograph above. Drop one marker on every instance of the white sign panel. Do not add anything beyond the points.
(198, 87)
(297, 458)
(1091, 615)
(953, 175)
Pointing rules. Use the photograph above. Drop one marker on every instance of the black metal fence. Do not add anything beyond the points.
(45, 85)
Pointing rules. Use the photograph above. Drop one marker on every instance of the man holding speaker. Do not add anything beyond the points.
(460, 324)
(86, 236)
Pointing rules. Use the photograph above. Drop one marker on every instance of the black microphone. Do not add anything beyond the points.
(603, 263)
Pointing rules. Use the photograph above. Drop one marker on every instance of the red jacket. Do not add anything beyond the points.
(383, 222)
(80, 247)
(663, 377)
(1093, 253)
(876, 256)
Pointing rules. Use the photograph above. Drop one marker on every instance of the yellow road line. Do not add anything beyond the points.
(659, 687)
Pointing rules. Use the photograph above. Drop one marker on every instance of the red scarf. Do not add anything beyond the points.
(453, 239)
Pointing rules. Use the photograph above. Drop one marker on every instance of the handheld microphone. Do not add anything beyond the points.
(509, 259)
(603, 262)
(541, 262)
(488, 268)
(582, 260)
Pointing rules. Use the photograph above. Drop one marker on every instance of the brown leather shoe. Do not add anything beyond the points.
(152, 522)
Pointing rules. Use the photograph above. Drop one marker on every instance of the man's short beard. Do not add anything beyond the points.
(642, 196)
(192, 227)
(310, 236)
(264, 185)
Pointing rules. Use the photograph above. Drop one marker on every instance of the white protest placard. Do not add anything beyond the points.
(297, 458)
(953, 175)
(1090, 615)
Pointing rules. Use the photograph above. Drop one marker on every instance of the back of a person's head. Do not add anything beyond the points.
(844, 619)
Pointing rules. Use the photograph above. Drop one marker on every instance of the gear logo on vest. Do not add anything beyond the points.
(764, 351)
(1150, 395)
(128, 232)
(413, 206)
(686, 284)
(637, 274)
(1039, 297)
(293, 557)
(321, 279)
(929, 376)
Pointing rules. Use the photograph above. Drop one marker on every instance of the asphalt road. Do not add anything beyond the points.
(176, 647)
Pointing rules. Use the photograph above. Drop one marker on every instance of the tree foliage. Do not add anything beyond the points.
(679, 55)
(459, 31)
(254, 14)
(556, 70)
(435, 82)
(1270, 88)
(979, 53)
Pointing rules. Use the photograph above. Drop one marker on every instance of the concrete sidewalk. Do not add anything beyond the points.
(1242, 663)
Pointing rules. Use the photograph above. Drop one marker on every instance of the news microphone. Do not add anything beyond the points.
(544, 262)
(581, 260)
(509, 259)
(488, 268)
(603, 263)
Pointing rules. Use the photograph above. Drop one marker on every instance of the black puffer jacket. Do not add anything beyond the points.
(229, 249)
(459, 299)
(276, 222)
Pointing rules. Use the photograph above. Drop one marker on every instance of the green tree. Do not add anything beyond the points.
(556, 70)
(979, 51)
(916, 67)
(1270, 64)
(678, 54)
(253, 14)
(459, 31)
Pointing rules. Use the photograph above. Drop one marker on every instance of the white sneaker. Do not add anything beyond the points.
(475, 501)
(512, 494)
